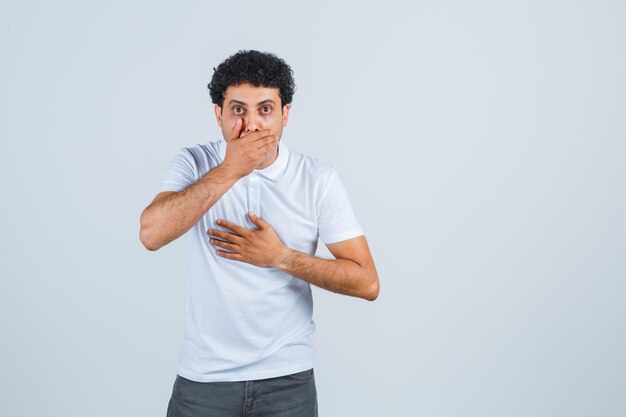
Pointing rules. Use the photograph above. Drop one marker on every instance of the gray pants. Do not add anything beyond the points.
(292, 395)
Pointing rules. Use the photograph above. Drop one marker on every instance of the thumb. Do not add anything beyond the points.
(236, 130)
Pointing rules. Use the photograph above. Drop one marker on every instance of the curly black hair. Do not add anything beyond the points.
(261, 69)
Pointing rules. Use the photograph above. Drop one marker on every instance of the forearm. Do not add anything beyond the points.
(342, 276)
(170, 217)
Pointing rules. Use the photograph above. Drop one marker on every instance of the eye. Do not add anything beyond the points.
(266, 109)
(238, 110)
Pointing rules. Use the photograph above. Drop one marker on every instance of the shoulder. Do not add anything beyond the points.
(310, 166)
(208, 149)
(202, 156)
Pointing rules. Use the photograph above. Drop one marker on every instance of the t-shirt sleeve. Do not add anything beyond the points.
(181, 172)
(336, 220)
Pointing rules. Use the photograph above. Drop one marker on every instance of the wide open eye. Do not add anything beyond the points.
(238, 110)
(266, 109)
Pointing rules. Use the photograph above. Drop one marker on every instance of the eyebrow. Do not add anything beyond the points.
(244, 104)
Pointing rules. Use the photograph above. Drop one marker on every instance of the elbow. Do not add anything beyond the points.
(146, 237)
(374, 288)
(147, 242)
(373, 294)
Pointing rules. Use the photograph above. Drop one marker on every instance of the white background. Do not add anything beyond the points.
(482, 145)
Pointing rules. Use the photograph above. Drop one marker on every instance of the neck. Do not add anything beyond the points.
(269, 160)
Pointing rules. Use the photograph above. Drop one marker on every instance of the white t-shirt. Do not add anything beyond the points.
(241, 321)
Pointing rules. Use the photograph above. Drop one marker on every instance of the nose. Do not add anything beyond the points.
(250, 123)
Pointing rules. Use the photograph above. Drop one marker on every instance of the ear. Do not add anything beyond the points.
(286, 108)
(218, 114)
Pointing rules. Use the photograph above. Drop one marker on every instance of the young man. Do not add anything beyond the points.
(253, 211)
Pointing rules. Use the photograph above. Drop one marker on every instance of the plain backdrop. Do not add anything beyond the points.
(482, 145)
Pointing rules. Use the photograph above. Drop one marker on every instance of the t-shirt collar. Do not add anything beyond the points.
(272, 172)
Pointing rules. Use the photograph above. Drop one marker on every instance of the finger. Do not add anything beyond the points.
(268, 141)
(227, 236)
(229, 255)
(256, 135)
(259, 222)
(225, 245)
(241, 231)
(236, 130)
(268, 147)
(265, 138)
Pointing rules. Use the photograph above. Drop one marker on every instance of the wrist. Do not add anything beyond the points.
(285, 258)
(229, 172)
